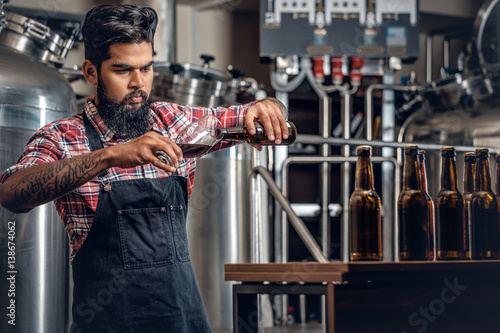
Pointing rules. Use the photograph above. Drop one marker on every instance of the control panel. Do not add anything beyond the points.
(368, 28)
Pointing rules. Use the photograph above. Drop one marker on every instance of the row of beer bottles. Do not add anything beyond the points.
(454, 226)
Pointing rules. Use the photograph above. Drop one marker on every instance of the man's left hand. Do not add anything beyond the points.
(271, 114)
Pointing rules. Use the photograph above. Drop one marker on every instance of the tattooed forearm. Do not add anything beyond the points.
(54, 179)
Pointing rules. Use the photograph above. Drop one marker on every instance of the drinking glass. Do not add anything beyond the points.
(196, 138)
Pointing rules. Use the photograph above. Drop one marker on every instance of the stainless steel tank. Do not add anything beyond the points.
(218, 226)
(189, 84)
(34, 252)
(218, 220)
(463, 108)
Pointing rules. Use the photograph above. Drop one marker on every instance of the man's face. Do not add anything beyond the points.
(124, 87)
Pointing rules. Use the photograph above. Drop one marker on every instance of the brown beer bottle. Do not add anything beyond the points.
(469, 170)
(450, 213)
(415, 229)
(240, 133)
(364, 211)
(485, 233)
(430, 203)
(497, 183)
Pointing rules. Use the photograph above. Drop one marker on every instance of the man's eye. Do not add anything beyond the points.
(147, 69)
(121, 71)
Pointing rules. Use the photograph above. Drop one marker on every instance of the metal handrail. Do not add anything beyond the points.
(315, 139)
(296, 222)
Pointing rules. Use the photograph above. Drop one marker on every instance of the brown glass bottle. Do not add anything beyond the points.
(240, 133)
(364, 212)
(485, 232)
(430, 203)
(497, 183)
(415, 229)
(469, 170)
(450, 213)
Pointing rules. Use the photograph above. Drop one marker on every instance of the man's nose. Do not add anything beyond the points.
(136, 79)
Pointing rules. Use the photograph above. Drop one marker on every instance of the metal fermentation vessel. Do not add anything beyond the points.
(32, 94)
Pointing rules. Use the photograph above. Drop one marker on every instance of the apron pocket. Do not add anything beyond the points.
(144, 237)
(178, 219)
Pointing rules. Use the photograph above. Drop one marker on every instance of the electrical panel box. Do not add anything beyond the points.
(368, 28)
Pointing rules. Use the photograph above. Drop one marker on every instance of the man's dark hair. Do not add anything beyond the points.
(106, 25)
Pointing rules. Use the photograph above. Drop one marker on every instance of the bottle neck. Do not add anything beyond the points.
(482, 177)
(364, 175)
(410, 173)
(469, 177)
(449, 181)
(422, 174)
(497, 179)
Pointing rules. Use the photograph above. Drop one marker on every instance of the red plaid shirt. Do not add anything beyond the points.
(66, 138)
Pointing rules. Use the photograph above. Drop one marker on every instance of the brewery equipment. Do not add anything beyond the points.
(462, 108)
(34, 248)
(190, 84)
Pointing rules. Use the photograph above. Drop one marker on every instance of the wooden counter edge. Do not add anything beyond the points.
(334, 271)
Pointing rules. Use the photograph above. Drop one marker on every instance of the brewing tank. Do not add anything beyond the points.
(34, 252)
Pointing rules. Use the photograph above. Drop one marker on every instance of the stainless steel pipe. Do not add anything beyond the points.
(315, 139)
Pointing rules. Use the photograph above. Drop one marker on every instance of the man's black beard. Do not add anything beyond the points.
(126, 122)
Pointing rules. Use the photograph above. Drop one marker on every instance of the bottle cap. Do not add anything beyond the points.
(421, 155)
(411, 149)
(482, 152)
(448, 151)
(470, 157)
(364, 150)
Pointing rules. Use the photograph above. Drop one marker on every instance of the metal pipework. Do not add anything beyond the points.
(297, 223)
(369, 102)
(315, 139)
(344, 242)
(345, 171)
(446, 45)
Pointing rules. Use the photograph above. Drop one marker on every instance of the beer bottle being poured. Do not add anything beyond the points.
(415, 229)
(469, 170)
(485, 233)
(240, 133)
(450, 214)
(364, 211)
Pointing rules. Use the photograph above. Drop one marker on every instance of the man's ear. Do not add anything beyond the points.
(89, 72)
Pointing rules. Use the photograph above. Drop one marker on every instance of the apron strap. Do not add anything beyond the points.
(95, 142)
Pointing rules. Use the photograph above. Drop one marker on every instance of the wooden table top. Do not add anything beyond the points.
(340, 272)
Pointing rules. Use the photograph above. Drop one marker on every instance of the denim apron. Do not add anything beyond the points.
(133, 272)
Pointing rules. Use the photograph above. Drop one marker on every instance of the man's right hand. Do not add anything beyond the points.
(143, 150)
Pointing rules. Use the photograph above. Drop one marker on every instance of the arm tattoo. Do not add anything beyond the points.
(56, 179)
